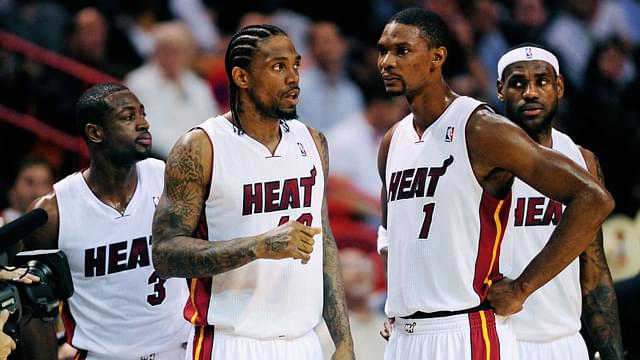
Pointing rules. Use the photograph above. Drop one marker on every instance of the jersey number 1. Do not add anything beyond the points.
(426, 223)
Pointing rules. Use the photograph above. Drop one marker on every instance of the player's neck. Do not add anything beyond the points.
(543, 137)
(428, 106)
(111, 180)
(264, 130)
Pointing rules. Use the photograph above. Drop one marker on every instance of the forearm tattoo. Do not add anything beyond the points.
(599, 305)
(176, 252)
(334, 310)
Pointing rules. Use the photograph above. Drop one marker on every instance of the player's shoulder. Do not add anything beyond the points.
(47, 202)
(484, 118)
(317, 135)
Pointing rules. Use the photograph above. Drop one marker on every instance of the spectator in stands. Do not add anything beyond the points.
(58, 90)
(202, 26)
(328, 95)
(463, 70)
(604, 98)
(490, 43)
(34, 178)
(628, 291)
(88, 41)
(574, 33)
(359, 274)
(359, 135)
(41, 22)
(527, 21)
(142, 18)
(175, 97)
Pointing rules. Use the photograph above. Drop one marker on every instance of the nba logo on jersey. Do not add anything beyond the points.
(528, 52)
(156, 200)
(303, 152)
(448, 137)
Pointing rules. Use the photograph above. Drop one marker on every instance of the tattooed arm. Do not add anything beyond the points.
(599, 306)
(334, 310)
(176, 253)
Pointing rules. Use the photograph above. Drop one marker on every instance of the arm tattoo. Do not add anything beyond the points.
(599, 305)
(175, 251)
(334, 310)
(277, 243)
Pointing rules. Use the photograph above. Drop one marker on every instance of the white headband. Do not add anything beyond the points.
(527, 53)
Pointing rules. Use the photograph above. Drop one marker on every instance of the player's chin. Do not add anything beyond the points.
(394, 90)
(288, 114)
(143, 153)
(532, 124)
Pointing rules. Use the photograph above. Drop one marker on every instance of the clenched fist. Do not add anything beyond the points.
(506, 297)
(289, 240)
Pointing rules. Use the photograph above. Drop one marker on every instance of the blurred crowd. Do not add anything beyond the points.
(171, 54)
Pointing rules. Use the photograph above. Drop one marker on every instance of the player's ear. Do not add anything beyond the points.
(439, 56)
(240, 77)
(499, 89)
(94, 132)
(560, 85)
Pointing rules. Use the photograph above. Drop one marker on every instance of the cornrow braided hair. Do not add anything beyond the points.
(241, 50)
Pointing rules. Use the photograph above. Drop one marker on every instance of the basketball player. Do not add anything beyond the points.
(530, 85)
(447, 170)
(101, 218)
(241, 213)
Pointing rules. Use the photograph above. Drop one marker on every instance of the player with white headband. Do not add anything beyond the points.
(530, 85)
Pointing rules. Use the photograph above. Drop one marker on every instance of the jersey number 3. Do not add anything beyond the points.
(159, 291)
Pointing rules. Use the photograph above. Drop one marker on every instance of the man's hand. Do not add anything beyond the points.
(388, 327)
(506, 297)
(6, 342)
(343, 353)
(18, 275)
(289, 240)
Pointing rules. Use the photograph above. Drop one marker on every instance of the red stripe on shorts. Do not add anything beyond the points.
(485, 344)
(203, 343)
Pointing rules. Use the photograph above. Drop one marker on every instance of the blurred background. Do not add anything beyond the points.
(171, 54)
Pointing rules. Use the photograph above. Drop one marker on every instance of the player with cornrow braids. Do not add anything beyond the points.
(244, 217)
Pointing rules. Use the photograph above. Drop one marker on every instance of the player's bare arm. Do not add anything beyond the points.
(334, 309)
(176, 253)
(599, 305)
(39, 337)
(588, 203)
(383, 153)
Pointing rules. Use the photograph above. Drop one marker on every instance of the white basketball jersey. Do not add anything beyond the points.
(554, 310)
(444, 230)
(252, 192)
(121, 308)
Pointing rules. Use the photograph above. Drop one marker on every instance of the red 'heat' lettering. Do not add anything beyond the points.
(278, 195)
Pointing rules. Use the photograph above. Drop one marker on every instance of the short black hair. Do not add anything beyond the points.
(92, 107)
(430, 23)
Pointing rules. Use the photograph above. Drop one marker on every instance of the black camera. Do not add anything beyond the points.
(39, 299)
